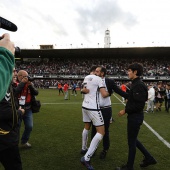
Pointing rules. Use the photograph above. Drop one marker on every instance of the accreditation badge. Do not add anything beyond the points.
(22, 100)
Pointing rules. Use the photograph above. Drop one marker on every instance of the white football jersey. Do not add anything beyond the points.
(91, 99)
(104, 101)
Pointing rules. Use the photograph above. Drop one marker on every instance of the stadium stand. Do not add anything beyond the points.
(49, 66)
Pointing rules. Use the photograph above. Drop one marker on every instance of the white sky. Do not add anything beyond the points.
(76, 22)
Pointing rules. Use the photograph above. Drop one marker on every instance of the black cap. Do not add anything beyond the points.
(7, 25)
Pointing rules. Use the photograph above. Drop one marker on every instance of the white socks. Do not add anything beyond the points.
(84, 139)
(93, 146)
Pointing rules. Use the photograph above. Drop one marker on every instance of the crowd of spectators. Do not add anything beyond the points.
(152, 67)
(78, 66)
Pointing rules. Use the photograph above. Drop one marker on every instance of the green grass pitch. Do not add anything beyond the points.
(56, 137)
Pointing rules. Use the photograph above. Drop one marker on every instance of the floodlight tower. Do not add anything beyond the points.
(107, 39)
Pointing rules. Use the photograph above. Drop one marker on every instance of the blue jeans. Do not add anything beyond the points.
(28, 122)
(133, 127)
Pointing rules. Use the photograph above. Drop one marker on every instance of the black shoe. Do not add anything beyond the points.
(103, 154)
(124, 167)
(83, 152)
(147, 162)
(86, 164)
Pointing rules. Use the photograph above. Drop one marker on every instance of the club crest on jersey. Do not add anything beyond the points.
(90, 78)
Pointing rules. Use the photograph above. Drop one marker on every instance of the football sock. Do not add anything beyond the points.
(84, 139)
(93, 146)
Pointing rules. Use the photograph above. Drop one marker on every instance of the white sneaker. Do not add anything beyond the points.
(26, 145)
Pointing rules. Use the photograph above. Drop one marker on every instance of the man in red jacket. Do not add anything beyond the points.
(26, 91)
(66, 86)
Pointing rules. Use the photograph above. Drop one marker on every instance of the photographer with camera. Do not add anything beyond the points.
(26, 91)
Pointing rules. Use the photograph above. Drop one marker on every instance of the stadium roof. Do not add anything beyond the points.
(97, 52)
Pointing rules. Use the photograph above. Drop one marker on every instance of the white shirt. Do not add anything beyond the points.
(151, 94)
(91, 99)
(104, 101)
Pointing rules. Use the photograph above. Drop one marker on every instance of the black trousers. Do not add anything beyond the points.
(10, 158)
(133, 127)
(167, 104)
(107, 114)
(60, 90)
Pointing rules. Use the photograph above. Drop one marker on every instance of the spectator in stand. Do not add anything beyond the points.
(65, 66)
(66, 86)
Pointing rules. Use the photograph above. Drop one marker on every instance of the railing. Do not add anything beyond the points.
(116, 77)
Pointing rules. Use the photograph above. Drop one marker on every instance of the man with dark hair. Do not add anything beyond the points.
(92, 114)
(106, 108)
(138, 95)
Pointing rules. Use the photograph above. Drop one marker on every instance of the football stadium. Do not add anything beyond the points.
(73, 99)
(57, 133)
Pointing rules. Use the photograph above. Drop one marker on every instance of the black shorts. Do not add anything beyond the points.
(159, 100)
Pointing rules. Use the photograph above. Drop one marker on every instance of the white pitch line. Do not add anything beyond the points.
(157, 135)
(151, 129)
(73, 103)
(59, 103)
